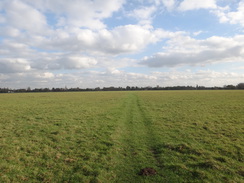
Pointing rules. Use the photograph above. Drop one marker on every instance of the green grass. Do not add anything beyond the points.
(186, 136)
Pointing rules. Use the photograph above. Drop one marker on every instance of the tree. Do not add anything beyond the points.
(240, 86)
(229, 87)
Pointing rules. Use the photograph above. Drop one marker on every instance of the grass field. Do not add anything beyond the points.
(185, 136)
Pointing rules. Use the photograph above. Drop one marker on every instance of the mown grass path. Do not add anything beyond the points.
(135, 140)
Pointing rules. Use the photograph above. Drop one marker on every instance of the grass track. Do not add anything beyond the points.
(135, 141)
(186, 136)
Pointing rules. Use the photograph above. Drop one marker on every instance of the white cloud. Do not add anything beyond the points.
(63, 61)
(207, 78)
(129, 38)
(113, 71)
(237, 16)
(143, 14)
(197, 33)
(184, 50)
(65, 47)
(169, 4)
(187, 5)
(118, 77)
(24, 17)
(121, 39)
(10, 31)
(233, 17)
(11, 65)
(2, 19)
(83, 13)
(45, 75)
(32, 16)
(220, 12)
(122, 78)
(16, 49)
(78, 62)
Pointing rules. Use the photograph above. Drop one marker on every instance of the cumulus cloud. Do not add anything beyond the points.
(129, 38)
(189, 51)
(169, 4)
(24, 17)
(45, 75)
(14, 49)
(78, 62)
(200, 77)
(9, 31)
(226, 15)
(82, 13)
(143, 14)
(194, 5)
(33, 17)
(11, 65)
(67, 45)
(116, 77)
(121, 39)
(2, 20)
(63, 61)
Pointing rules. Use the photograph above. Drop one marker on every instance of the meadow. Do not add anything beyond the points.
(184, 136)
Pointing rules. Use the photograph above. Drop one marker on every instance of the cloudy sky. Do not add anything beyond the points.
(101, 43)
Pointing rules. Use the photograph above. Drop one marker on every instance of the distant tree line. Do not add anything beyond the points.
(127, 88)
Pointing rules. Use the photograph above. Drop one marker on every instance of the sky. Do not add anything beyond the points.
(103, 43)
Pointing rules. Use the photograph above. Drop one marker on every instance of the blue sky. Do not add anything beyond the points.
(95, 43)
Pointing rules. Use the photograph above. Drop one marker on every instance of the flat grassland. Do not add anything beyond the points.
(184, 136)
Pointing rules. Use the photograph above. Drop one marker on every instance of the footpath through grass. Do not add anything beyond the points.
(185, 136)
